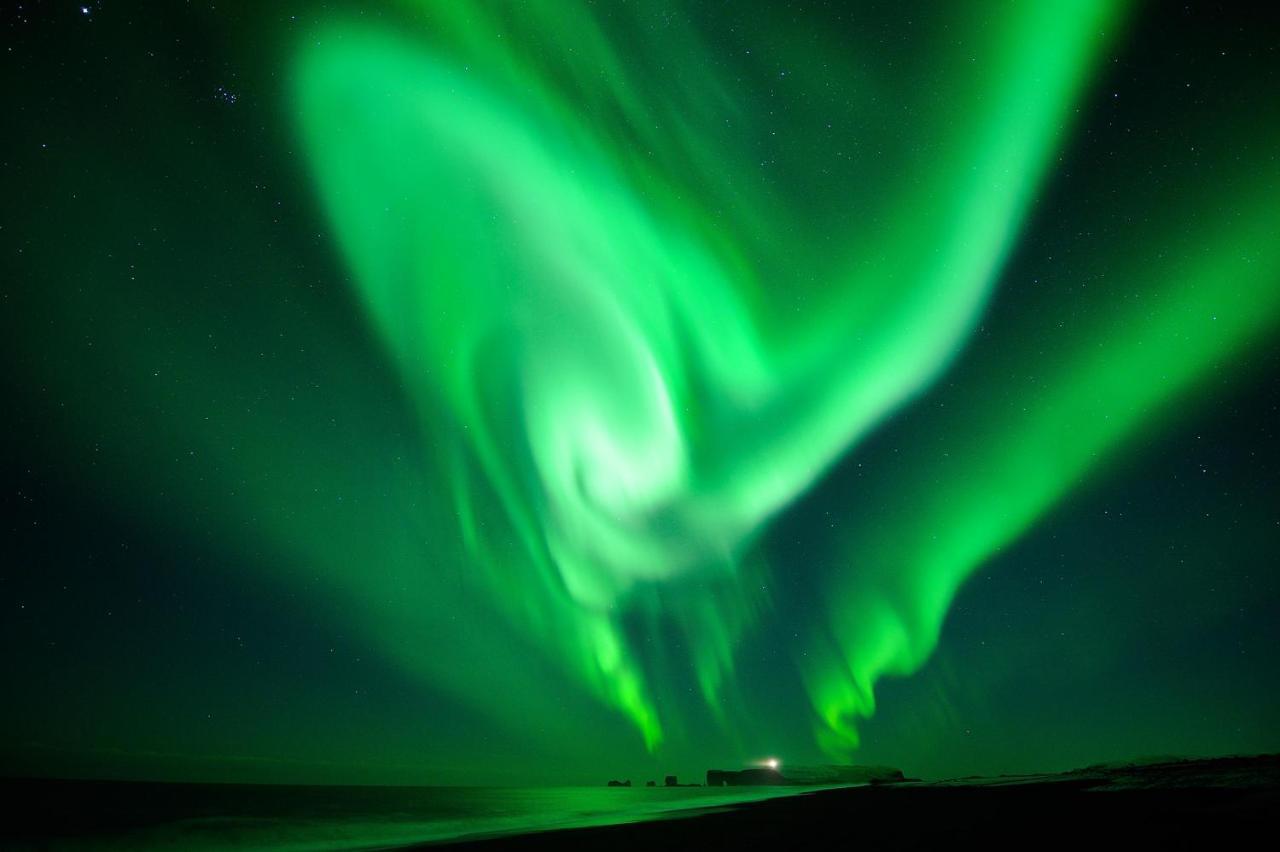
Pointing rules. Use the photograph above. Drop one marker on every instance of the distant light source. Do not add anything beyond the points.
(772, 763)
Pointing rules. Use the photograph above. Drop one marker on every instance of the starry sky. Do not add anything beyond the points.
(544, 391)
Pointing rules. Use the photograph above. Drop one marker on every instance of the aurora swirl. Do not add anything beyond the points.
(632, 419)
(612, 294)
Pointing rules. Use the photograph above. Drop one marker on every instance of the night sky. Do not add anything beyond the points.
(520, 392)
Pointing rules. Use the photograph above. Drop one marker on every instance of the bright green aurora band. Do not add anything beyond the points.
(629, 359)
(532, 390)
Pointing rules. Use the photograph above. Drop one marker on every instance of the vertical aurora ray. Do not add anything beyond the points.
(628, 413)
(1192, 311)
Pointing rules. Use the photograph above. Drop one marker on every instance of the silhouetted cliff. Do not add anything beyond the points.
(756, 776)
(760, 776)
(842, 774)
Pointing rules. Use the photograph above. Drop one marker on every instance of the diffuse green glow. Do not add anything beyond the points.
(621, 413)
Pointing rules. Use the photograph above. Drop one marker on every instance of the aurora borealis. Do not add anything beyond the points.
(453, 391)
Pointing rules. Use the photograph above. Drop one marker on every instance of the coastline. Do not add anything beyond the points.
(188, 816)
(1174, 802)
(1177, 804)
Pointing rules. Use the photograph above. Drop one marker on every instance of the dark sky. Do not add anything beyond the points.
(443, 392)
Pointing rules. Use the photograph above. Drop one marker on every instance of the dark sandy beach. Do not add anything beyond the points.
(1168, 805)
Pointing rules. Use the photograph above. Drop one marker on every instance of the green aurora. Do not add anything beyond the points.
(574, 318)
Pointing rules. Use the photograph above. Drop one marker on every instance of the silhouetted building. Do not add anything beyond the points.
(671, 781)
(626, 783)
(649, 784)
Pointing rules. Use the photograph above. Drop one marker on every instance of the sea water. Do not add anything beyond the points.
(146, 816)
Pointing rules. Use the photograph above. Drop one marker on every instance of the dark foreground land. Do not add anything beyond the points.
(1171, 804)
(1176, 804)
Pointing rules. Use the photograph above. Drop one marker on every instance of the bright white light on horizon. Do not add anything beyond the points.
(770, 762)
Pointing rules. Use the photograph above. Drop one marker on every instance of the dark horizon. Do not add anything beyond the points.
(35, 765)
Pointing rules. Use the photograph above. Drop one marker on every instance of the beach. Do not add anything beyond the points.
(1178, 804)
(1173, 802)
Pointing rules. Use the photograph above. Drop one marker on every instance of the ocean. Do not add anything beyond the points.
(120, 815)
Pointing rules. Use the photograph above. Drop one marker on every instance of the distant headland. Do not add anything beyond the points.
(794, 776)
